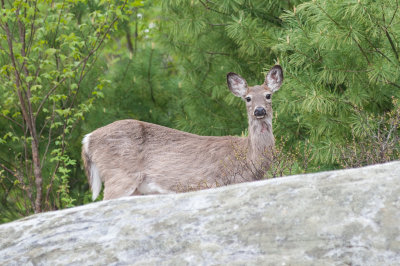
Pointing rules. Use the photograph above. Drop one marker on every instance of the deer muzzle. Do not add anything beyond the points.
(260, 112)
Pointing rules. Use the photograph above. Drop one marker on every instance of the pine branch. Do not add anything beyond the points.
(391, 43)
(394, 12)
(216, 53)
(212, 9)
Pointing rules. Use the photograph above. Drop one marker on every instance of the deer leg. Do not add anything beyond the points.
(122, 185)
(151, 185)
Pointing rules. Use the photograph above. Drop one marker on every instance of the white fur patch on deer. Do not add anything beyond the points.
(137, 158)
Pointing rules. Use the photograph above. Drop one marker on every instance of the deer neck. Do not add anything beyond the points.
(260, 139)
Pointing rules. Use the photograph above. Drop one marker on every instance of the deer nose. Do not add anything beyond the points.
(260, 112)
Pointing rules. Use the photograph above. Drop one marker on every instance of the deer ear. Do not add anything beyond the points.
(274, 78)
(237, 85)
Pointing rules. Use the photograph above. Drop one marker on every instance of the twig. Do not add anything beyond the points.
(212, 9)
(49, 138)
(217, 53)
(12, 120)
(149, 76)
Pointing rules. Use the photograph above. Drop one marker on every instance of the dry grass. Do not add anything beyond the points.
(375, 140)
(278, 161)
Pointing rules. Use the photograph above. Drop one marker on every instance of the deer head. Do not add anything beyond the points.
(258, 98)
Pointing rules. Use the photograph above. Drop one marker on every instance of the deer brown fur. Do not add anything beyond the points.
(135, 158)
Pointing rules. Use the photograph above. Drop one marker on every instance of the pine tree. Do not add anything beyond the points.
(342, 63)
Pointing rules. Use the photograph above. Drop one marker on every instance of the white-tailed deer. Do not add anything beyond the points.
(136, 158)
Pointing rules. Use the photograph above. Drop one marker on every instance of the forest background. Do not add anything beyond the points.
(71, 66)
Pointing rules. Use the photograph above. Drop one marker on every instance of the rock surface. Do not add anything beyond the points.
(347, 217)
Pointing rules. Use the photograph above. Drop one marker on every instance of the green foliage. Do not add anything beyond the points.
(337, 54)
(142, 77)
(47, 50)
(376, 139)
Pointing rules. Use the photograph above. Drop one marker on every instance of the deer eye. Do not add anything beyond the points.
(248, 99)
(268, 96)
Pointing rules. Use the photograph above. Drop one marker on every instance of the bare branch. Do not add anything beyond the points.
(19, 176)
(394, 12)
(12, 120)
(217, 53)
(391, 43)
(51, 120)
(212, 9)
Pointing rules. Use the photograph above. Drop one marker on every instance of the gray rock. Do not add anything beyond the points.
(347, 217)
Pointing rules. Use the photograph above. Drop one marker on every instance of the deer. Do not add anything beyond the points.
(133, 157)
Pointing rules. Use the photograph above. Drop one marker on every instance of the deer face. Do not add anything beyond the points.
(257, 98)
